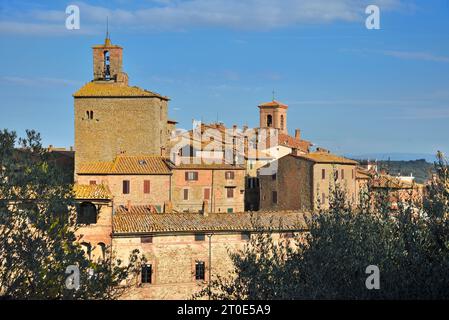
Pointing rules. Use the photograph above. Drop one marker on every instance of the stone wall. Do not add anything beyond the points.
(292, 180)
(134, 126)
(100, 232)
(173, 260)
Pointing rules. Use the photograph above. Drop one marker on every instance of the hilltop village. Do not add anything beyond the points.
(183, 198)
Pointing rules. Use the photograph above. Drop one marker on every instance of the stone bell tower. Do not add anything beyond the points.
(273, 114)
(108, 62)
(113, 118)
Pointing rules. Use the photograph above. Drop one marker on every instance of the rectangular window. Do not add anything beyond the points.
(191, 176)
(92, 182)
(126, 187)
(200, 237)
(146, 239)
(342, 173)
(207, 194)
(323, 174)
(245, 236)
(230, 193)
(336, 174)
(275, 197)
(229, 175)
(230, 210)
(146, 186)
(200, 270)
(273, 176)
(186, 194)
(146, 273)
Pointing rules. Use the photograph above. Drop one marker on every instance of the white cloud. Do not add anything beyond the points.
(182, 15)
(426, 56)
(38, 81)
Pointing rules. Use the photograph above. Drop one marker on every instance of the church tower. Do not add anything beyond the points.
(113, 118)
(273, 114)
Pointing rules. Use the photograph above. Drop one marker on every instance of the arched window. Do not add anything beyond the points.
(282, 121)
(107, 70)
(102, 250)
(87, 249)
(269, 120)
(87, 213)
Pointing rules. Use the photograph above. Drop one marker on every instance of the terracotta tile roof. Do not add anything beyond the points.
(325, 157)
(136, 221)
(205, 164)
(387, 181)
(291, 142)
(92, 191)
(362, 174)
(273, 103)
(113, 89)
(123, 164)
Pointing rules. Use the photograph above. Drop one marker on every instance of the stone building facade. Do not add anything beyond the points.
(94, 219)
(132, 180)
(113, 118)
(209, 187)
(182, 249)
(302, 182)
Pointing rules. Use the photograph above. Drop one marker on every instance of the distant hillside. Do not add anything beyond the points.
(396, 156)
(421, 169)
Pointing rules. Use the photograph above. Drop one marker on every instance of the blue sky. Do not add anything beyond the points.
(349, 89)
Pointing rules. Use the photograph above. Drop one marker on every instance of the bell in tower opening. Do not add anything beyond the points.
(107, 70)
(108, 62)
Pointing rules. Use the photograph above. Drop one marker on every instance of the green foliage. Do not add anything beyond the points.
(410, 246)
(37, 225)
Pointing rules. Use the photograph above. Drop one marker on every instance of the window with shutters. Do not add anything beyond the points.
(200, 237)
(92, 182)
(146, 273)
(230, 192)
(207, 194)
(191, 176)
(126, 187)
(146, 186)
(229, 175)
(200, 270)
(146, 239)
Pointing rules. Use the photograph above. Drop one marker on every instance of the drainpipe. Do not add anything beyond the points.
(212, 204)
(210, 265)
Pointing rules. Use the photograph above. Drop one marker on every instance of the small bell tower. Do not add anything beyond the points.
(108, 61)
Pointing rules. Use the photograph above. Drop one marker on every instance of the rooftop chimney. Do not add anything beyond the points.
(205, 208)
(298, 134)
